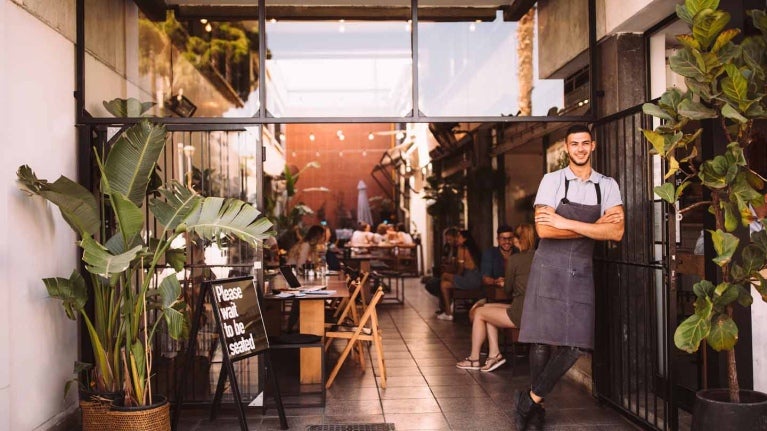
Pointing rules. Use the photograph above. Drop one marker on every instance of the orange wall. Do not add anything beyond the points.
(342, 164)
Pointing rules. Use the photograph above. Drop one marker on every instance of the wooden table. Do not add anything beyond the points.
(312, 321)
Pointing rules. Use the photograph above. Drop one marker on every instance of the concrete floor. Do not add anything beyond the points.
(425, 391)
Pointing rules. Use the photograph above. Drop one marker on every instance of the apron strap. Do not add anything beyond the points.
(596, 189)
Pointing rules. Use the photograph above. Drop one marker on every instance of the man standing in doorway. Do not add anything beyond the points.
(574, 207)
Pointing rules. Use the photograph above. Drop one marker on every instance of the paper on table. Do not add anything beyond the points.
(321, 292)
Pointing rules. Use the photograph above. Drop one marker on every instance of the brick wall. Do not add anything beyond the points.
(342, 164)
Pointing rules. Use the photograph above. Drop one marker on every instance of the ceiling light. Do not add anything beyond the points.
(340, 154)
(339, 132)
(203, 21)
(341, 137)
(317, 154)
(208, 27)
(311, 137)
(364, 153)
(282, 137)
(293, 154)
(341, 26)
(472, 27)
(371, 136)
(400, 135)
(273, 20)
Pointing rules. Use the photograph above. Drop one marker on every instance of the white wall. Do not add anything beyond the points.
(38, 344)
(622, 16)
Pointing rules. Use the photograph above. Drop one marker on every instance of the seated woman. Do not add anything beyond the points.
(310, 249)
(492, 316)
(467, 275)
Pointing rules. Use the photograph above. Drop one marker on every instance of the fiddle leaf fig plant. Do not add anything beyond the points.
(725, 82)
(130, 301)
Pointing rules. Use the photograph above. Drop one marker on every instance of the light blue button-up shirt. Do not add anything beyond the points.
(552, 189)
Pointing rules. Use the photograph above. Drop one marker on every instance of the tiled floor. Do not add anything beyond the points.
(425, 391)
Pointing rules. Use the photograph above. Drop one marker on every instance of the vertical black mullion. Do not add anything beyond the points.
(80, 62)
(593, 60)
(414, 56)
(262, 58)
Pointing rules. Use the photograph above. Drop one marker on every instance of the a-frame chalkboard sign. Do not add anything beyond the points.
(242, 334)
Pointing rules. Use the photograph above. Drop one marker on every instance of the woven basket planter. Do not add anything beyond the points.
(94, 409)
(155, 417)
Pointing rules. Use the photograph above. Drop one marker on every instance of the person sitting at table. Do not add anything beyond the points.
(310, 249)
(494, 259)
(492, 316)
(403, 236)
(447, 264)
(467, 275)
(381, 235)
(362, 236)
(307, 251)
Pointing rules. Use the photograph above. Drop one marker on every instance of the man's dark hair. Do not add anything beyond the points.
(578, 128)
(503, 229)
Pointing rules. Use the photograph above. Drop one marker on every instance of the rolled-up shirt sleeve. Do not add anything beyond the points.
(547, 189)
(611, 194)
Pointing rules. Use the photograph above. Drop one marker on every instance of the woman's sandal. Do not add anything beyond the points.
(493, 363)
(468, 364)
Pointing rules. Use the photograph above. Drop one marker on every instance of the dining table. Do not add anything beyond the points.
(311, 318)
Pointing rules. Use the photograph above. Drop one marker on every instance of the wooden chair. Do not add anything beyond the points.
(368, 323)
(349, 318)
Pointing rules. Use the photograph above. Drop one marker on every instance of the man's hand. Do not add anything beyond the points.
(549, 224)
(612, 215)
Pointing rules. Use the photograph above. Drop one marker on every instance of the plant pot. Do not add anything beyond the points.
(94, 407)
(154, 417)
(714, 411)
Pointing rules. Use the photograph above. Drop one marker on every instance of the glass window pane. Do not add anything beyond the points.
(187, 67)
(494, 67)
(338, 67)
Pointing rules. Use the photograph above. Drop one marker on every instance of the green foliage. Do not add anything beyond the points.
(726, 83)
(122, 267)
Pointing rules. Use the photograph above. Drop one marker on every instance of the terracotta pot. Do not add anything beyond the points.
(714, 411)
(154, 417)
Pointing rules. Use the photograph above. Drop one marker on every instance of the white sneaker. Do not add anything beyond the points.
(445, 316)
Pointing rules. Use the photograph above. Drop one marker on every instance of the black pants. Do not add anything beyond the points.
(548, 364)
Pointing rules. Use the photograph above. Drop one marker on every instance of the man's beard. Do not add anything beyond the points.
(584, 163)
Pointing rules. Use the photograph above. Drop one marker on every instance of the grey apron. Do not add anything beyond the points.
(559, 304)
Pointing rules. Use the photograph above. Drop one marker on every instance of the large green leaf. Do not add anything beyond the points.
(759, 18)
(172, 306)
(744, 296)
(725, 294)
(707, 24)
(724, 38)
(731, 216)
(218, 216)
(703, 288)
(695, 6)
(725, 245)
(131, 161)
(127, 107)
(695, 110)
(723, 334)
(657, 140)
(99, 261)
(716, 173)
(735, 87)
(666, 192)
(753, 259)
(78, 206)
(130, 219)
(689, 333)
(176, 206)
(684, 63)
(729, 112)
(656, 111)
(761, 286)
(70, 291)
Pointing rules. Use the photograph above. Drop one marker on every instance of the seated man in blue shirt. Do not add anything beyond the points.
(493, 266)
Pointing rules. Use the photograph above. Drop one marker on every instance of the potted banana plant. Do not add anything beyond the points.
(121, 265)
(726, 84)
